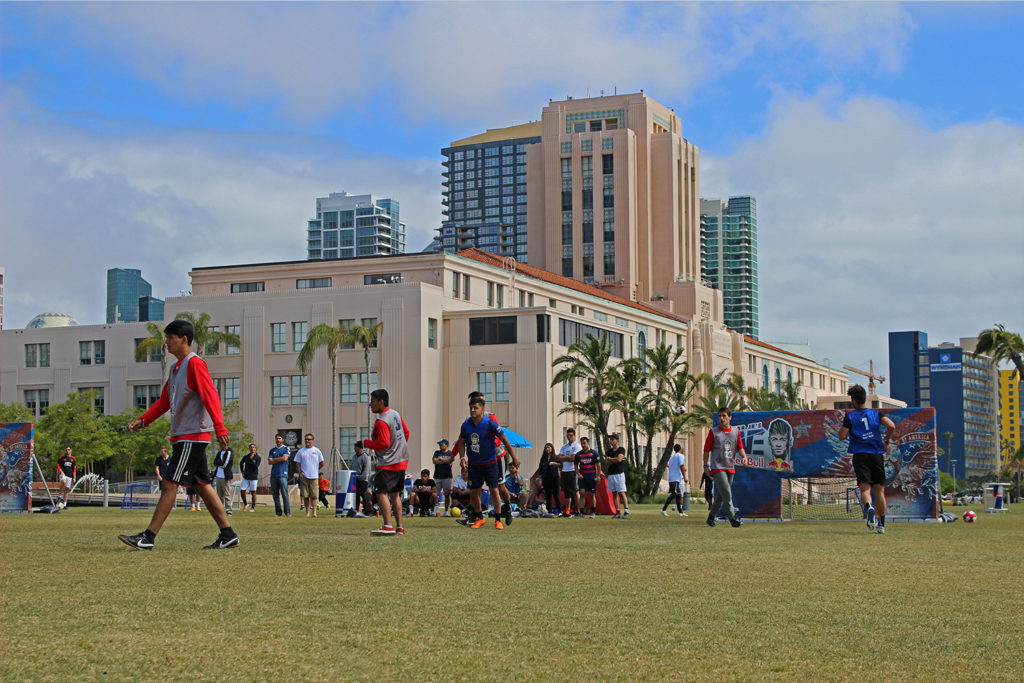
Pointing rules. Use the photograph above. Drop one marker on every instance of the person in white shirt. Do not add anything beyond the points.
(570, 485)
(676, 480)
(308, 463)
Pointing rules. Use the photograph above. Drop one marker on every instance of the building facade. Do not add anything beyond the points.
(347, 226)
(127, 294)
(451, 324)
(484, 192)
(1010, 415)
(2, 297)
(963, 391)
(728, 258)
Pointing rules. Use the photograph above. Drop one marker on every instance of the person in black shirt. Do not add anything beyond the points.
(616, 459)
(66, 470)
(550, 471)
(250, 466)
(443, 459)
(424, 494)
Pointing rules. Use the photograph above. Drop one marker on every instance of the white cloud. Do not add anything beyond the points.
(76, 202)
(869, 222)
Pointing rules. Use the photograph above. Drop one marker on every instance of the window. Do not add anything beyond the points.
(485, 384)
(609, 225)
(432, 333)
(232, 349)
(37, 355)
(299, 389)
(568, 391)
(91, 352)
(313, 283)
(465, 287)
(587, 195)
(229, 389)
(354, 387)
(567, 227)
(37, 400)
(567, 261)
(382, 279)
(348, 324)
(277, 337)
(571, 331)
(455, 285)
(494, 330)
(279, 387)
(212, 348)
(607, 164)
(608, 143)
(97, 398)
(588, 259)
(369, 323)
(588, 227)
(154, 356)
(493, 385)
(566, 200)
(566, 147)
(543, 327)
(242, 287)
(608, 198)
(145, 395)
(609, 258)
(490, 294)
(300, 333)
(587, 164)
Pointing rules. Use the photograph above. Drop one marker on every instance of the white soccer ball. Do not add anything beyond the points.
(681, 410)
(970, 516)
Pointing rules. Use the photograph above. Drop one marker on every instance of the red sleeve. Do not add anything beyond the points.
(455, 448)
(199, 380)
(159, 407)
(709, 443)
(381, 437)
(405, 429)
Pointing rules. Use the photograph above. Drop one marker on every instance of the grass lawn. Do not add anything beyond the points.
(547, 599)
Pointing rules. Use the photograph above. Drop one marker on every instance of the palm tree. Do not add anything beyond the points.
(331, 339)
(206, 335)
(1017, 459)
(716, 395)
(1001, 345)
(589, 359)
(671, 408)
(151, 344)
(366, 337)
(627, 382)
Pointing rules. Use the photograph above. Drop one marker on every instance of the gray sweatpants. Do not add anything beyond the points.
(723, 495)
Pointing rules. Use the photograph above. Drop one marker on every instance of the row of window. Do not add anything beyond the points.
(488, 151)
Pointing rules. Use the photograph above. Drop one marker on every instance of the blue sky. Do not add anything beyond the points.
(884, 142)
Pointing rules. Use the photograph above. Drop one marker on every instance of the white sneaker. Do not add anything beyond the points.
(683, 514)
(664, 514)
(592, 515)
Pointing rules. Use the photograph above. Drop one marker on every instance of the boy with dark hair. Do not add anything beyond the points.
(479, 454)
(862, 426)
(616, 459)
(194, 405)
(721, 446)
(391, 443)
(588, 469)
(424, 495)
(506, 498)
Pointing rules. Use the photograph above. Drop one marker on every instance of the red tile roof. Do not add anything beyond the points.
(756, 342)
(567, 282)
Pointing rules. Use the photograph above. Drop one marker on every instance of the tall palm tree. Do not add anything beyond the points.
(366, 337)
(627, 382)
(1001, 345)
(151, 344)
(589, 359)
(674, 417)
(716, 394)
(205, 334)
(1017, 460)
(331, 339)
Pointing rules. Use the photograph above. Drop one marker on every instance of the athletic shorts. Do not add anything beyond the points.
(443, 484)
(569, 484)
(247, 485)
(309, 488)
(500, 462)
(389, 481)
(484, 474)
(187, 464)
(673, 488)
(617, 482)
(869, 468)
(65, 481)
(588, 484)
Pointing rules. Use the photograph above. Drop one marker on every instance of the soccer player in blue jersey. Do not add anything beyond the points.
(863, 427)
(477, 445)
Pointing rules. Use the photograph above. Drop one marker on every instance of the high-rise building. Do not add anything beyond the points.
(150, 308)
(728, 258)
(1010, 414)
(1, 297)
(348, 225)
(960, 387)
(484, 194)
(125, 287)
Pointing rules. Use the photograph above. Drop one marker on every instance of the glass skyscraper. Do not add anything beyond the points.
(484, 193)
(125, 288)
(348, 225)
(728, 258)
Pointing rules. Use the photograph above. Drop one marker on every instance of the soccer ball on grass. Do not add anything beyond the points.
(456, 511)
(970, 516)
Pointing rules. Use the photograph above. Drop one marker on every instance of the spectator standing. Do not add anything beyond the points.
(616, 459)
(361, 466)
(308, 463)
(720, 449)
(588, 467)
(250, 466)
(570, 486)
(549, 470)
(278, 458)
(160, 465)
(391, 445)
(223, 474)
(676, 480)
(707, 483)
(443, 459)
(424, 494)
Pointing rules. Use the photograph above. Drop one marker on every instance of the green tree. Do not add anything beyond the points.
(15, 412)
(786, 398)
(589, 359)
(716, 391)
(1001, 345)
(331, 339)
(206, 335)
(1017, 462)
(74, 423)
(627, 381)
(238, 431)
(366, 337)
(133, 451)
(152, 344)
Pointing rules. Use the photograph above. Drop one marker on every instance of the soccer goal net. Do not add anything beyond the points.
(821, 498)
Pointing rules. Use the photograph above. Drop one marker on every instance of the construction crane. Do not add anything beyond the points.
(870, 374)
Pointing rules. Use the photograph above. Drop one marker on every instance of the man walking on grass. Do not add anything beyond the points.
(676, 480)
(721, 446)
(862, 426)
(191, 398)
(391, 444)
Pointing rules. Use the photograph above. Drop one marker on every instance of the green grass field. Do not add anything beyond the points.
(645, 599)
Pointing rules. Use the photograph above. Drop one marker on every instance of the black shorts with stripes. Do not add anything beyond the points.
(187, 466)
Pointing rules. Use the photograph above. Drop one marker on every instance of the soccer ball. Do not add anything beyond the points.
(456, 512)
(681, 410)
(970, 516)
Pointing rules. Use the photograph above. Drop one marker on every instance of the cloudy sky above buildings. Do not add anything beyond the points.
(884, 143)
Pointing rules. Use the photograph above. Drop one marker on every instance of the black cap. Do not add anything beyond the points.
(442, 442)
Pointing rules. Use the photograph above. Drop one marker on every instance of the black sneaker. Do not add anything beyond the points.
(508, 513)
(222, 543)
(710, 521)
(138, 541)
(736, 523)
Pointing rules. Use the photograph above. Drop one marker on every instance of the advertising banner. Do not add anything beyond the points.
(16, 466)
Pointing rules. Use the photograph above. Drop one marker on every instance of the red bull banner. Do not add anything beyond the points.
(16, 466)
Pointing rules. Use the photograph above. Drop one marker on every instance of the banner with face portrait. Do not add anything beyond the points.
(16, 466)
(801, 444)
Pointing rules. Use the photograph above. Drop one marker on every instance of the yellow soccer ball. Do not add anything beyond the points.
(456, 512)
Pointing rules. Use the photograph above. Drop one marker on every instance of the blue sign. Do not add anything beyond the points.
(946, 367)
